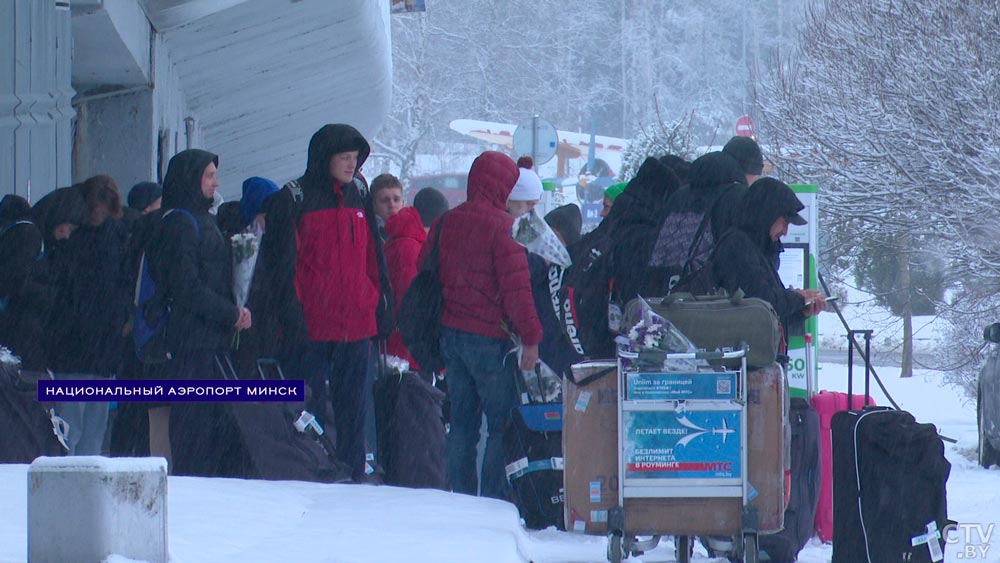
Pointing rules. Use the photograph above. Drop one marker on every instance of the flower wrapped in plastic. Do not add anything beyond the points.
(245, 249)
(653, 337)
(9, 366)
(533, 233)
(543, 384)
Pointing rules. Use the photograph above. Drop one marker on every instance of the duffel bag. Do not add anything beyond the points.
(714, 322)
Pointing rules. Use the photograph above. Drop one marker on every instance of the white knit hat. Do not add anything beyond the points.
(527, 188)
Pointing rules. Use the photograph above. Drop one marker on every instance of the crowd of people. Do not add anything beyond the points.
(336, 256)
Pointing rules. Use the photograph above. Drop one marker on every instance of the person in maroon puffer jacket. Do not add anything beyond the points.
(486, 286)
(406, 234)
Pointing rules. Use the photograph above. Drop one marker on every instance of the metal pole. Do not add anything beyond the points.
(534, 139)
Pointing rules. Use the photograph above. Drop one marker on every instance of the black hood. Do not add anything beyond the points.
(645, 197)
(714, 169)
(328, 141)
(182, 184)
(14, 208)
(765, 201)
(65, 205)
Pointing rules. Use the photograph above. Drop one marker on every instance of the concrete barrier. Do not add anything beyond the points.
(84, 509)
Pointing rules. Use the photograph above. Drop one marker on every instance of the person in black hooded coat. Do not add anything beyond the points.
(21, 327)
(746, 257)
(716, 184)
(191, 264)
(635, 222)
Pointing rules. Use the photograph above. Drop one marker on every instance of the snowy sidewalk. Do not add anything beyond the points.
(235, 521)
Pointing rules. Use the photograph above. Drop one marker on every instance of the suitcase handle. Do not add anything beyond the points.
(736, 298)
(851, 335)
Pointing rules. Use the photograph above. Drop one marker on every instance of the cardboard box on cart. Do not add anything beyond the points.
(590, 453)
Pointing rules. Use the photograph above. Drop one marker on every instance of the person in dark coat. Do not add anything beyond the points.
(264, 339)
(746, 152)
(57, 216)
(431, 204)
(85, 337)
(635, 219)
(716, 185)
(21, 314)
(746, 257)
(327, 281)
(191, 265)
(486, 285)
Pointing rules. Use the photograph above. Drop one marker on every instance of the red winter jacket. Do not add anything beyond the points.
(484, 273)
(406, 235)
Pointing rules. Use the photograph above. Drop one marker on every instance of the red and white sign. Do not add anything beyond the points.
(744, 126)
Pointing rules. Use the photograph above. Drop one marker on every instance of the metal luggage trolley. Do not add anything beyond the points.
(682, 456)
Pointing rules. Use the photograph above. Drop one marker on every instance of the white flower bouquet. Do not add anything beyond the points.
(245, 249)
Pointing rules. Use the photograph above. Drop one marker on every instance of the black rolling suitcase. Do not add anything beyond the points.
(411, 433)
(271, 441)
(889, 477)
(29, 429)
(800, 516)
(532, 445)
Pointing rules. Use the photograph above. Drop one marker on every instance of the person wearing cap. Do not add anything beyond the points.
(746, 257)
(567, 222)
(145, 197)
(746, 152)
(527, 191)
(430, 204)
(611, 193)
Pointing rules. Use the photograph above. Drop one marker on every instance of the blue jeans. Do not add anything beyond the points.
(478, 382)
(88, 420)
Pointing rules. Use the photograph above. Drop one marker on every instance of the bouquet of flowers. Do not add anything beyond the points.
(653, 337)
(542, 384)
(245, 249)
(533, 233)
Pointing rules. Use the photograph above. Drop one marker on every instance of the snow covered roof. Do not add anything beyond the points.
(261, 76)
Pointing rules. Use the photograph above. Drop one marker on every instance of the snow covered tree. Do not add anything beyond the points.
(892, 108)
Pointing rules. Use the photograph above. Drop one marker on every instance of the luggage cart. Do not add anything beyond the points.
(682, 456)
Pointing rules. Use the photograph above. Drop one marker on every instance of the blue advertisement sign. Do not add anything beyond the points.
(681, 386)
(690, 444)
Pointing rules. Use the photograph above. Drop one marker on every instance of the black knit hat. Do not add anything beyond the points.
(430, 204)
(143, 194)
(567, 221)
(746, 151)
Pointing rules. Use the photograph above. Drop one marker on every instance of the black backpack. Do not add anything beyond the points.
(587, 289)
(421, 309)
(682, 254)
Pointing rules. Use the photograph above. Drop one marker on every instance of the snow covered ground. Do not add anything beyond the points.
(233, 521)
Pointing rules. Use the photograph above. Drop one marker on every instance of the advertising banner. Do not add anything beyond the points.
(688, 444)
(681, 386)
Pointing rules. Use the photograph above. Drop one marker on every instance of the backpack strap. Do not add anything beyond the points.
(10, 226)
(296, 190)
(702, 227)
(197, 227)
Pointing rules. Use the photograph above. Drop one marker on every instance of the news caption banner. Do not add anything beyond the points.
(171, 390)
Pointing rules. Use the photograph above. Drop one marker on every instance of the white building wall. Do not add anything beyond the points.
(34, 97)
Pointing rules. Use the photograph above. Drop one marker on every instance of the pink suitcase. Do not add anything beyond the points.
(826, 403)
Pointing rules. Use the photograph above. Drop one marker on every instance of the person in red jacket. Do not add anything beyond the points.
(406, 234)
(326, 280)
(487, 289)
